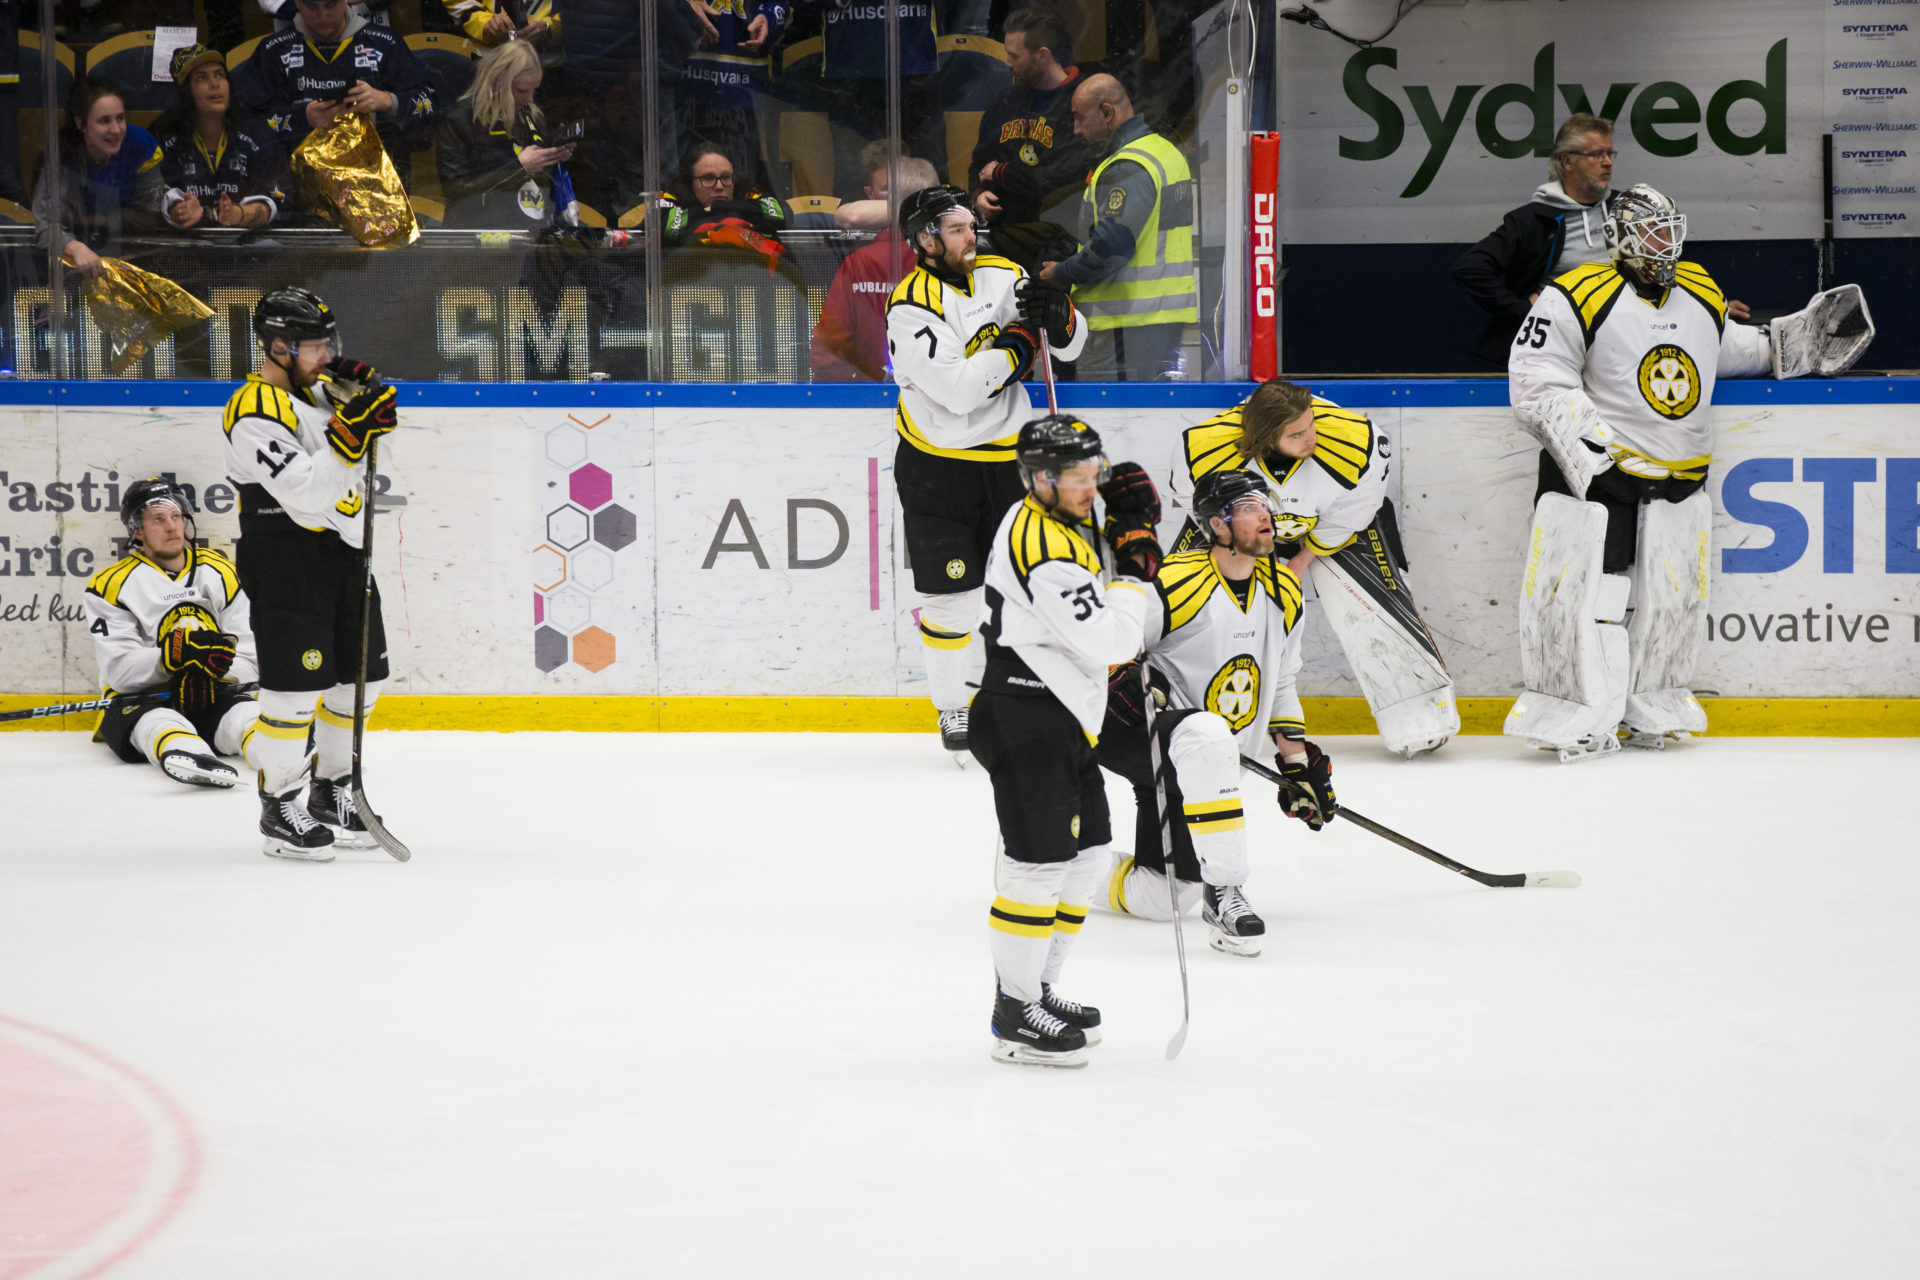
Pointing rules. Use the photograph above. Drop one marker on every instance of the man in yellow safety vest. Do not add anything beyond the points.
(1134, 280)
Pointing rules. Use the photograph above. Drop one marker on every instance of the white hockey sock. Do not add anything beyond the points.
(1206, 762)
(166, 730)
(276, 745)
(1136, 891)
(235, 726)
(1076, 892)
(946, 641)
(1022, 923)
(333, 730)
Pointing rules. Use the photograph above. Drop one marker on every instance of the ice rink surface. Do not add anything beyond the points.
(695, 1006)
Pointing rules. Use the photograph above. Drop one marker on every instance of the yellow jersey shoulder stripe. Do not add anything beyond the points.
(258, 398)
(1035, 537)
(1283, 587)
(218, 562)
(995, 260)
(1694, 279)
(1592, 289)
(1343, 442)
(1185, 581)
(919, 289)
(108, 582)
(1214, 445)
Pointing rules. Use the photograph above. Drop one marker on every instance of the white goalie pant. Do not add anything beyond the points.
(947, 624)
(1393, 657)
(1669, 622)
(1573, 650)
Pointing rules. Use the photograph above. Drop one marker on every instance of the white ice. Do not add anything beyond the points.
(716, 1006)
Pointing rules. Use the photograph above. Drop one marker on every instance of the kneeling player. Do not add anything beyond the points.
(300, 468)
(1613, 372)
(1327, 469)
(170, 619)
(1225, 642)
(1056, 619)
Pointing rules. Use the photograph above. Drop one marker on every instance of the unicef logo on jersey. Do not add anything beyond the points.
(1670, 381)
(1234, 692)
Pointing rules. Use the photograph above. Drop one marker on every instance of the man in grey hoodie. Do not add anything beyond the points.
(1558, 231)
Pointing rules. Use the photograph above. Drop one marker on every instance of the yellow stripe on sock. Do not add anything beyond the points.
(1022, 919)
(283, 729)
(168, 735)
(935, 638)
(1213, 826)
(1069, 919)
(328, 716)
(1117, 886)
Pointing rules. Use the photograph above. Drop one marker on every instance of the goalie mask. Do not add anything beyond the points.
(1645, 229)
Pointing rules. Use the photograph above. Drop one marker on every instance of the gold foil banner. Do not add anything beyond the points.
(137, 309)
(345, 174)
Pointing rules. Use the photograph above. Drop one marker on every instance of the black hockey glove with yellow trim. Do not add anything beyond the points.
(356, 373)
(1133, 509)
(198, 649)
(1308, 793)
(373, 412)
(194, 691)
(1043, 306)
(1022, 345)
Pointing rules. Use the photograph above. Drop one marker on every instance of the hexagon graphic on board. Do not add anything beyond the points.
(614, 527)
(593, 649)
(568, 609)
(567, 527)
(549, 649)
(590, 487)
(539, 608)
(593, 567)
(549, 568)
(566, 447)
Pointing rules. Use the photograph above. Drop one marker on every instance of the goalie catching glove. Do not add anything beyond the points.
(1824, 337)
(372, 412)
(1133, 509)
(1308, 794)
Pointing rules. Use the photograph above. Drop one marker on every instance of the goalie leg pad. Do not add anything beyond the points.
(1206, 762)
(1392, 653)
(1573, 652)
(1670, 576)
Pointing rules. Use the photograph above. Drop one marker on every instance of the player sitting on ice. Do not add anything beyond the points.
(171, 635)
(1327, 469)
(1613, 372)
(1223, 645)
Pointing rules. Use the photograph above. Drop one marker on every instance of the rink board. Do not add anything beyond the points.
(731, 556)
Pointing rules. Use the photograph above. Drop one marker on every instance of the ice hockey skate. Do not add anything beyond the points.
(1029, 1036)
(1232, 925)
(330, 801)
(291, 831)
(197, 770)
(1072, 1012)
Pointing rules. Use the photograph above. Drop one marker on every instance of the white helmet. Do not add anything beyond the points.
(1646, 229)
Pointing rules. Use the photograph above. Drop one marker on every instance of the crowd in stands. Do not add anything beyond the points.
(536, 116)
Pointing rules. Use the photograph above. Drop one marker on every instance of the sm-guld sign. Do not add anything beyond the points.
(1663, 117)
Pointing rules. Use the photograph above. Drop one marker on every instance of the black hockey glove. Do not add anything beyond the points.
(1308, 794)
(1136, 549)
(1023, 346)
(1044, 307)
(357, 373)
(193, 648)
(1128, 490)
(371, 413)
(1125, 695)
(194, 691)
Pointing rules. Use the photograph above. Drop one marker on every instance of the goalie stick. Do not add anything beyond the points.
(101, 704)
(1519, 880)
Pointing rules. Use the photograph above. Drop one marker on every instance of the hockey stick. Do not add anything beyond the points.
(100, 704)
(1046, 366)
(1519, 880)
(1179, 1041)
(375, 828)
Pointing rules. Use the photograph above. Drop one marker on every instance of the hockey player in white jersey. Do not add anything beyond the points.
(1056, 620)
(1613, 372)
(1223, 639)
(299, 463)
(171, 634)
(962, 331)
(1328, 469)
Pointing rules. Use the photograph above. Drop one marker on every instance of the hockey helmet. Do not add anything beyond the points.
(153, 491)
(1646, 229)
(1218, 492)
(1047, 446)
(920, 213)
(294, 315)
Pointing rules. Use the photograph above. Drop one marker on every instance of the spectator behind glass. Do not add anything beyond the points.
(1560, 229)
(725, 79)
(221, 167)
(332, 62)
(850, 340)
(1029, 166)
(497, 166)
(875, 213)
(283, 12)
(110, 183)
(494, 22)
(704, 196)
